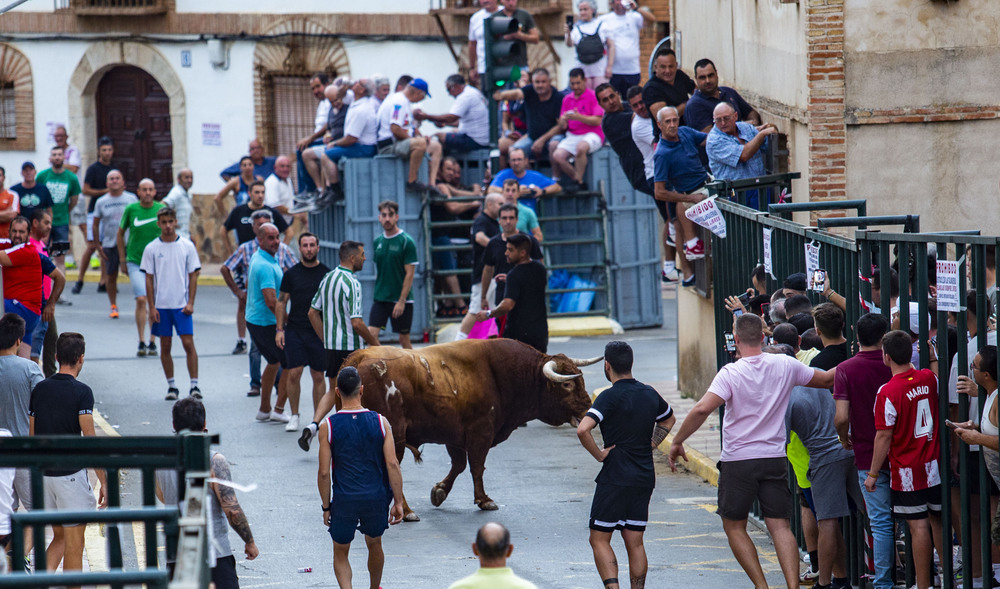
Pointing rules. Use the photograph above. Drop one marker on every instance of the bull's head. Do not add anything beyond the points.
(567, 399)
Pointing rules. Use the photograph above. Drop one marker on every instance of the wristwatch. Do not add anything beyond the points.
(327, 508)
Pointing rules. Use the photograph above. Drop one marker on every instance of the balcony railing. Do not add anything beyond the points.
(118, 7)
(467, 7)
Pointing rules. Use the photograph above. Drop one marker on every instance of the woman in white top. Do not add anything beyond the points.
(984, 370)
(599, 71)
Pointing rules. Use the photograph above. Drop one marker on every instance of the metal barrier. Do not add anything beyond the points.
(850, 263)
(188, 453)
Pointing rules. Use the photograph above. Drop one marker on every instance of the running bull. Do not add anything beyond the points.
(470, 396)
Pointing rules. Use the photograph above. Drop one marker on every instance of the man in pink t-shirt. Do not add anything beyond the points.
(581, 116)
(755, 390)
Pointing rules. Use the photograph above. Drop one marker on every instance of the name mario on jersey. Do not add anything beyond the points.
(918, 392)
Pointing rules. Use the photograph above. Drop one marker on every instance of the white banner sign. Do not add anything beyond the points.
(812, 259)
(767, 253)
(947, 286)
(708, 216)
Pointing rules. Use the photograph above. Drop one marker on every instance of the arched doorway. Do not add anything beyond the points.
(134, 110)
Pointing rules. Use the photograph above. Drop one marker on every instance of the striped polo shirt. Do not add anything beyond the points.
(339, 300)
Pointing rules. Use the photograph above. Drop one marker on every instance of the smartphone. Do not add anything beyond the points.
(737, 312)
(765, 310)
(950, 423)
(730, 342)
(569, 21)
(744, 299)
(819, 280)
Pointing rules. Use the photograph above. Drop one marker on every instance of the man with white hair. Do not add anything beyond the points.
(735, 148)
(279, 195)
(360, 130)
(382, 89)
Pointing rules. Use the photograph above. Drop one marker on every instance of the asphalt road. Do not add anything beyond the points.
(541, 478)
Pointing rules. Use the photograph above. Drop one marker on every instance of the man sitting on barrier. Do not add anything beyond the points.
(398, 134)
(470, 114)
(542, 104)
(581, 116)
(532, 184)
(680, 179)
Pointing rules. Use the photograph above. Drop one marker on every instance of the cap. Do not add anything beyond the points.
(796, 281)
(28, 165)
(420, 84)
(348, 379)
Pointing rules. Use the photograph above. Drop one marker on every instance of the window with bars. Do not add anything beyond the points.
(8, 113)
(293, 114)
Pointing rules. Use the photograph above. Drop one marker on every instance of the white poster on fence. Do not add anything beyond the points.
(947, 286)
(767, 253)
(812, 259)
(708, 216)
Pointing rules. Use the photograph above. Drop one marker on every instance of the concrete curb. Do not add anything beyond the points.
(95, 277)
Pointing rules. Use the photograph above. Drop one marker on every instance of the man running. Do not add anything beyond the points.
(295, 335)
(171, 265)
(106, 217)
(357, 458)
(395, 266)
(336, 316)
(139, 222)
(627, 413)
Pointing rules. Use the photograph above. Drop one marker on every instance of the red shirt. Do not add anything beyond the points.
(8, 201)
(23, 280)
(858, 380)
(908, 405)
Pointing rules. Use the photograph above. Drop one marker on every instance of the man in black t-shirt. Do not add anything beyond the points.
(495, 264)
(95, 185)
(634, 419)
(829, 320)
(484, 227)
(239, 218)
(32, 194)
(542, 106)
(62, 405)
(295, 334)
(524, 301)
(669, 86)
(617, 126)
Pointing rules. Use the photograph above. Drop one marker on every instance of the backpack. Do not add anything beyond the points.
(590, 49)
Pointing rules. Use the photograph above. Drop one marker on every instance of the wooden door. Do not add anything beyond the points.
(134, 111)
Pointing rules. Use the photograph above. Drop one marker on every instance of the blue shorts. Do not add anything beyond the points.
(59, 233)
(443, 260)
(138, 279)
(30, 317)
(38, 338)
(370, 517)
(171, 319)
(460, 142)
(351, 151)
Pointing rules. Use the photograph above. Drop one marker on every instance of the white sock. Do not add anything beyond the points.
(194, 382)
(691, 242)
(171, 382)
(671, 230)
(669, 267)
(243, 340)
(460, 335)
(313, 427)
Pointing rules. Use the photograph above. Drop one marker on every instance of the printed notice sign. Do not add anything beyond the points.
(812, 257)
(211, 134)
(947, 286)
(706, 214)
(767, 253)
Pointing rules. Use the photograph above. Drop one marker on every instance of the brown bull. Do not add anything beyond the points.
(470, 396)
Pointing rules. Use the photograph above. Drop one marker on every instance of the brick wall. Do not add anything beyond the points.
(827, 124)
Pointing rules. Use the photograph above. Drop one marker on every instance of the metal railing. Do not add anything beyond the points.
(185, 531)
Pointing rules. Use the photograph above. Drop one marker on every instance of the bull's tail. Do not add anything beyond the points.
(417, 457)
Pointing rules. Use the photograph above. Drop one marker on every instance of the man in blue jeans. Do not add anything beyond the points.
(857, 382)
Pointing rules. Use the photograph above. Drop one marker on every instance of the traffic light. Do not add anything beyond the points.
(502, 56)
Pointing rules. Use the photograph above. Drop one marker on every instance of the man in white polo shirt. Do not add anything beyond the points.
(279, 195)
(469, 113)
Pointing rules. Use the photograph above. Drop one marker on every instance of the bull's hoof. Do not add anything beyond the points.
(488, 505)
(438, 495)
(411, 517)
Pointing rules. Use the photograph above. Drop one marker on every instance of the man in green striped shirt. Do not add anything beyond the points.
(336, 315)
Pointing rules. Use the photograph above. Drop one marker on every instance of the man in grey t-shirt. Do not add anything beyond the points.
(20, 375)
(107, 216)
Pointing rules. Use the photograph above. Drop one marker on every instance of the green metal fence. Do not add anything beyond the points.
(185, 531)
(850, 262)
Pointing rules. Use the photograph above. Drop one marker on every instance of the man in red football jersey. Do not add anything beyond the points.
(906, 413)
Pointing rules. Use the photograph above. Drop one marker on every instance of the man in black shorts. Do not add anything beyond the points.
(634, 419)
(395, 266)
(295, 335)
(524, 297)
(62, 405)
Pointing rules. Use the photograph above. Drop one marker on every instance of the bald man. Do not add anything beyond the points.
(179, 199)
(137, 229)
(493, 548)
(280, 196)
(734, 147)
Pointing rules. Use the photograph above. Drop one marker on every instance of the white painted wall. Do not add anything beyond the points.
(306, 6)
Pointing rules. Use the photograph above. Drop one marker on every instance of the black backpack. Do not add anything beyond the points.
(590, 49)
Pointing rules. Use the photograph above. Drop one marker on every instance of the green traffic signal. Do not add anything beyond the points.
(506, 75)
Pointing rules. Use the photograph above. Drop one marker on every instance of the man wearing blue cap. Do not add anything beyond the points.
(358, 475)
(398, 134)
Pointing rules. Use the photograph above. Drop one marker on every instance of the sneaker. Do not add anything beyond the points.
(305, 438)
(102, 288)
(114, 312)
(95, 263)
(78, 287)
(151, 349)
(142, 349)
(695, 253)
(172, 393)
(65, 302)
(241, 347)
(670, 277)
(195, 392)
(422, 187)
(262, 416)
(279, 417)
(688, 282)
(293, 424)
(809, 577)
(253, 392)
(301, 207)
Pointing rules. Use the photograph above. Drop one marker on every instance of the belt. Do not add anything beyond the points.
(383, 143)
(700, 186)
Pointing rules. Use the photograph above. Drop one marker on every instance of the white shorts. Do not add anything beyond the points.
(571, 142)
(70, 493)
(477, 296)
(22, 488)
(138, 279)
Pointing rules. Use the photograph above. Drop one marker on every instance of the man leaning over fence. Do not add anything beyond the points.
(755, 391)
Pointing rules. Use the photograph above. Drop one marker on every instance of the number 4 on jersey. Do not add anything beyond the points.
(923, 425)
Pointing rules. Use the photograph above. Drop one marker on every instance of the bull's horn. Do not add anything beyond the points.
(587, 362)
(549, 370)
